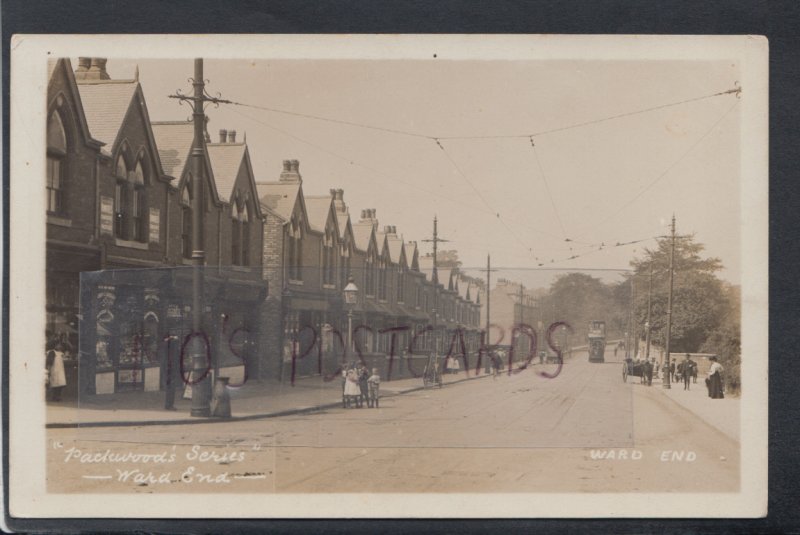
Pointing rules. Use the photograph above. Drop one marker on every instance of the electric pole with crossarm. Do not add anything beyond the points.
(198, 352)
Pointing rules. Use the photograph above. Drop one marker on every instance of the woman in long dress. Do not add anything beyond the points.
(57, 378)
(714, 380)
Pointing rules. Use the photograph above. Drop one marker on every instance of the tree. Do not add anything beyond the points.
(699, 302)
(578, 298)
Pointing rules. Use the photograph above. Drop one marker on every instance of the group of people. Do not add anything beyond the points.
(686, 370)
(358, 386)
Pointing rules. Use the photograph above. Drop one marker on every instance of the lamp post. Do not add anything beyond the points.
(350, 299)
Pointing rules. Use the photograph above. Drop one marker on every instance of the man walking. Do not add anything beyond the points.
(686, 371)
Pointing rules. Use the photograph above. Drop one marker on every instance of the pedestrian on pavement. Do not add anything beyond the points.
(344, 383)
(686, 371)
(363, 380)
(374, 383)
(56, 376)
(352, 392)
(672, 372)
(714, 379)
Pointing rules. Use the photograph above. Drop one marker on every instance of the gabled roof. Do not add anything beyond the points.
(174, 140)
(362, 235)
(411, 252)
(226, 160)
(65, 66)
(395, 249)
(280, 197)
(343, 218)
(105, 104)
(318, 208)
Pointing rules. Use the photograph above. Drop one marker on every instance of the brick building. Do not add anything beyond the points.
(119, 230)
(118, 193)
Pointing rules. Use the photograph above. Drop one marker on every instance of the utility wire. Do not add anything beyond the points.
(664, 173)
(337, 121)
(547, 188)
(391, 178)
(468, 181)
(736, 90)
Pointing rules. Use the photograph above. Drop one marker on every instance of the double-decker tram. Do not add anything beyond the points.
(597, 341)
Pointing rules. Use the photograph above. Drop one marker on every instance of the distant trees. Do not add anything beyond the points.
(705, 309)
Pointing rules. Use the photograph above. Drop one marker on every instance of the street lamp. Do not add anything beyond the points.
(350, 299)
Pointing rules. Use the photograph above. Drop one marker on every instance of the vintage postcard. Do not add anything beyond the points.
(388, 276)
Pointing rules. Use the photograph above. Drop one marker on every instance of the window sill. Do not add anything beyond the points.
(240, 269)
(329, 286)
(60, 221)
(295, 282)
(143, 246)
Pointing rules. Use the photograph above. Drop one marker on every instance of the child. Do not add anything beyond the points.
(374, 383)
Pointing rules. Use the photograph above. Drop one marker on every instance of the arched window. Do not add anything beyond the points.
(56, 155)
(240, 233)
(369, 273)
(295, 252)
(138, 219)
(344, 262)
(121, 199)
(186, 220)
(401, 284)
(329, 258)
(244, 223)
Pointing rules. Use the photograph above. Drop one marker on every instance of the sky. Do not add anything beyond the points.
(519, 198)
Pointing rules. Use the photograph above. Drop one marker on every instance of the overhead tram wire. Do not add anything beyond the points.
(547, 188)
(663, 173)
(352, 161)
(468, 181)
(736, 90)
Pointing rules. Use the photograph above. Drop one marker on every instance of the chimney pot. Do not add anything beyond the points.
(232, 136)
(84, 64)
(97, 70)
(223, 135)
(287, 166)
(295, 166)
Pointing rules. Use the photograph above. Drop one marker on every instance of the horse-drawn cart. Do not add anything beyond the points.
(641, 369)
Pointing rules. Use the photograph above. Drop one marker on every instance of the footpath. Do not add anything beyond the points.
(251, 401)
(722, 414)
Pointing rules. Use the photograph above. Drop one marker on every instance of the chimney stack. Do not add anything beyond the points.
(291, 171)
(232, 136)
(223, 135)
(83, 65)
(91, 69)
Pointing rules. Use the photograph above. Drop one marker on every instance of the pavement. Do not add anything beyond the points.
(251, 401)
(722, 414)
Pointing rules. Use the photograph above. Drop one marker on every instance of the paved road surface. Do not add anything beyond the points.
(518, 433)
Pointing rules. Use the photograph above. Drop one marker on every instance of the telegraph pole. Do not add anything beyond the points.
(488, 272)
(198, 352)
(667, 378)
(435, 278)
(633, 317)
(647, 324)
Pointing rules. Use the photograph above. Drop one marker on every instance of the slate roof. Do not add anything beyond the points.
(395, 249)
(105, 104)
(317, 209)
(226, 160)
(174, 140)
(361, 235)
(280, 197)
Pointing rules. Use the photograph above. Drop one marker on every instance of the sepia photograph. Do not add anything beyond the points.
(444, 275)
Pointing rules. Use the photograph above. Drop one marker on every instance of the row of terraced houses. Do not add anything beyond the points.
(119, 228)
